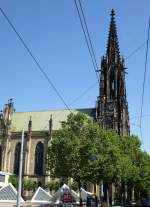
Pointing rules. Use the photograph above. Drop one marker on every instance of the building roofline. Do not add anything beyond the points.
(47, 110)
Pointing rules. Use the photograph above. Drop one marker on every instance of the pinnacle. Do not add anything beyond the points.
(113, 46)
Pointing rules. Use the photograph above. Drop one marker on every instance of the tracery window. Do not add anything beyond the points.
(17, 158)
(39, 159)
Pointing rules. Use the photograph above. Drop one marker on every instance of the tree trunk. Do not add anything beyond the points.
(126, 192)
(107, 194)
(101, 193)
(132, 195)
(112, 194)
(95, 193)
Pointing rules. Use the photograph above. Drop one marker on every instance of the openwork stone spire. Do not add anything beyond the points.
(112, 105)
(113, 53)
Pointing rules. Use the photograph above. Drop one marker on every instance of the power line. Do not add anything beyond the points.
(144, 79)
(137, 125)
(137, 117)
(83, 93)
(90, 41)
(87, 39)
(34, 59)
(136, 50)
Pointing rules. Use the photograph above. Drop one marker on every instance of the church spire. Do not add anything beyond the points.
(113, 53)
(112, 105)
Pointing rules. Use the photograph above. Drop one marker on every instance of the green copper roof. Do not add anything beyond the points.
(40, 120)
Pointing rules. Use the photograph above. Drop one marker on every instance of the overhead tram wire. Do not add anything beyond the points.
(144, 80)
(136, 50)
(96, 69)
(90, 41)
(137, 117)
(34, 59)
(83, 93)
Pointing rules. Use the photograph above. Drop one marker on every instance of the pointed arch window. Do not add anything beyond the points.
(39, 159)
(0, 157)
(17, 158)
(112, 86)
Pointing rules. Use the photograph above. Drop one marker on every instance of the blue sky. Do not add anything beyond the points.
(52, 30)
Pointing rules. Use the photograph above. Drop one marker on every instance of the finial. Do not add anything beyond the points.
(30, 124)
(112, 13)
(50, 127)
(50, 121)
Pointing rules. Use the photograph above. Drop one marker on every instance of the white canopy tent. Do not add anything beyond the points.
(41, 196)
(85, 194)
(65, 193)
(8, 194)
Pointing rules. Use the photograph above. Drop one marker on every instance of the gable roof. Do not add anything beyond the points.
(40, 119)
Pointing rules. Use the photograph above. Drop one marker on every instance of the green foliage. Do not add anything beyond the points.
(52, 185)
(13, 179)
(73, 185)
(29, 185)
(115, 158)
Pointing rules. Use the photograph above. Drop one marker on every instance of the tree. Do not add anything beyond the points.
(74, 145)
(64, 152)
(87, 153)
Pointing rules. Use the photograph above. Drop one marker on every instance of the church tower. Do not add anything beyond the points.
(112, 105)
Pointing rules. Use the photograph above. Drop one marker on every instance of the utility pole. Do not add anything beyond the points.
(20, 171)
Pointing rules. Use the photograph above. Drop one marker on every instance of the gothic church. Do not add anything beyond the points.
(111, 112)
